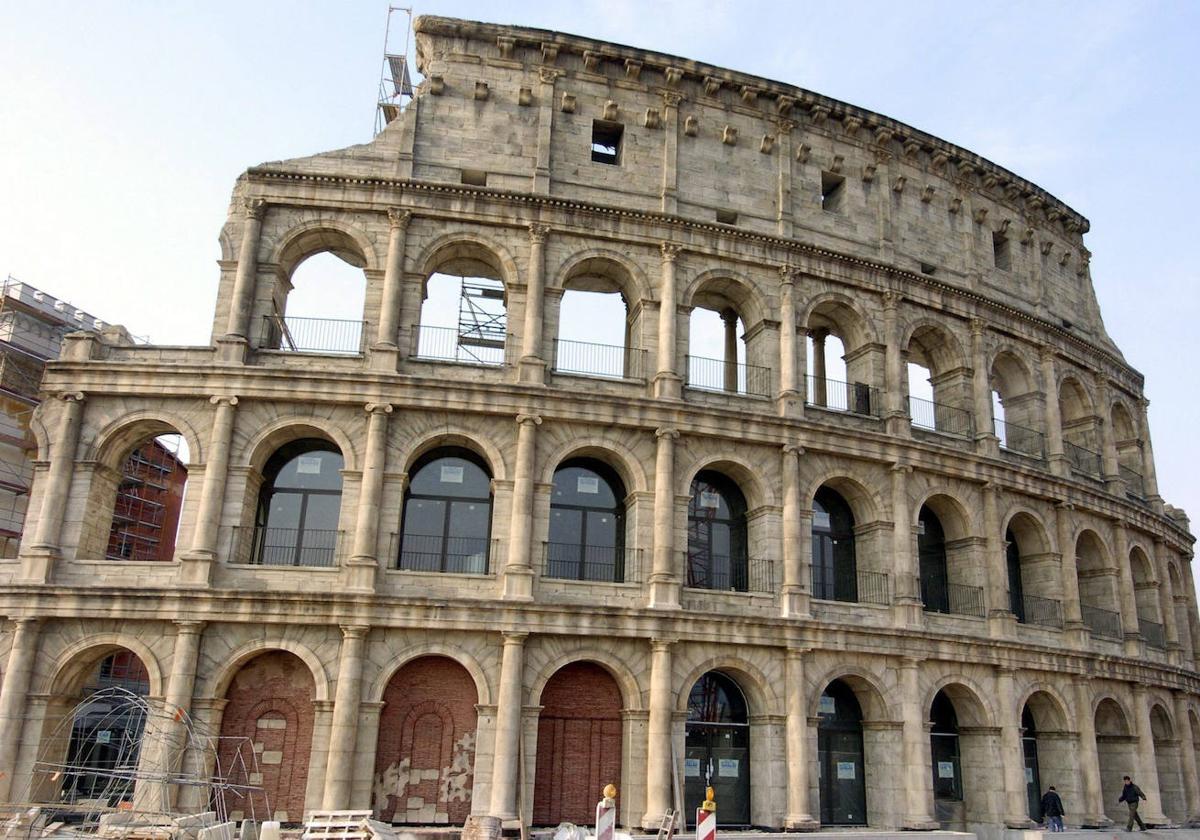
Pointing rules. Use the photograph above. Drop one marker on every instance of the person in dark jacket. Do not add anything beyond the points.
(1052, 809)
(1130, 794)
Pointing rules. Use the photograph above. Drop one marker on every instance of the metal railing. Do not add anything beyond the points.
(730, 377)
(597, 563)
(1044, 612)
(1020, 439)
(449, 555)
(293, 547)
(723, 573)
(1134, 485)
(449, 345)
(946, 419)
(942, 596)
(1082, 460)
(850, 397)
(604, 360)
(1103, 623)
(312, 335)
(1152, 632)
(862, 587)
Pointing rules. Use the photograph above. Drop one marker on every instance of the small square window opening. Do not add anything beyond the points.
(606, 141)
(1000, 252)
(833, 188)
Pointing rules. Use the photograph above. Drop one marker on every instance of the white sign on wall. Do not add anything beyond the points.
(452, 475)
(727, 767)
(708, 499)
(587, 484)
(691, 768)
(945, 769)
(846, 770)
(308, 465)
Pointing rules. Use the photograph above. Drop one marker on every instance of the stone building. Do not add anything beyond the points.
(441, 572)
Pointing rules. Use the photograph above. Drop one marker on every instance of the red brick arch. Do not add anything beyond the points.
(267, 729)
(425, 760)
(579, 744)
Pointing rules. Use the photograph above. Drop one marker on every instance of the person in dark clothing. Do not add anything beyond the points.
(1130, 794)
(1052, 809)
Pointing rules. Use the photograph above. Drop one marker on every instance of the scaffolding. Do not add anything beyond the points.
(395, 84)
(149, 498)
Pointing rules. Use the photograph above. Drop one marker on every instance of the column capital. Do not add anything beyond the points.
(787, 274)
(538, 233)
(670, 251)
(661, 645)
(72, 396)
(1047, 353)
(1119, 524)
(398, 218)
(529, 419)
(671, 98)
(24, 621)
(795, 653)
(901, 467)
(355, 631)
(911, 661)
(378, 408)
(1066, 507)
(818, 334)
(785, 126)
(514, 637)
(189, 628)
(891, 299)
(548, 75)
(666, 432)
(793, 449)
(991, 488)
(978, 325)
(226, 399)
(254, 208)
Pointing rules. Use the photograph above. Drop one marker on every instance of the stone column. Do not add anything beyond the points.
(1000, 614)
(517, 580)
(13, 693)
(670, 180)
(1147, 770)
(783, 211)
(664, 580)
(1130, 627)
(1072, 614)
(532, 367)
(895, 411)
(343, 735)
(178, 699)
(986, 438)
(790, 403)
(917, 772)
(508, 727)
(1187, 752)
(820, 388)
(909, 607)
(1108, 443)
(1053, 424)
(1189, 593)
(1089, 758)
(1149, 475)
(238, 326)
(799, 816)
(667, 382)
(195, 568)
(38, 559)
(730, 319)
(363, 565)
(1166, 602)
(659, 769)
(796, 592)
(1012, 755)
(388, 336)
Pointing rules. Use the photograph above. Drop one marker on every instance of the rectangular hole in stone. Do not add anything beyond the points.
(606, 141)
(833, 187)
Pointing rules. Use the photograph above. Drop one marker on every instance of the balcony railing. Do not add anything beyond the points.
(597, 563)
(719, 375)
(946, 419)
(1152, 632)
(862, 587)
(604, 360)
(723, 573)
(942, 596)
(1134, 485)
(1103, 623)
(449, 555)
(291, 547)
(1082, 460)
(449, 345)
(312, 335)
(1016, 438)
(850, 397)
(1044, 612)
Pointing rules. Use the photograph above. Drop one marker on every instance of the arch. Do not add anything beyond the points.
(752, 682)
(1162, 725)
(218, 683)
(1074, 399)
(467, 253)
(740, 471)
(1123, 425)
(76, 661)
(866, 685)
(1009, 372)
(1110, 716)
(1047, 706)
(720, 288)
(600, 269)
(112, 443)
(950, 511)
(344, 240)
(451, 436)
(447, 651)
(843, 316)
(934, 343)
(841, 745)
(865, 504)
(967, 697)
(1029, 529)
(446, 521)
(631, 693)
(718, 728)
(285, 430)
(617, 456)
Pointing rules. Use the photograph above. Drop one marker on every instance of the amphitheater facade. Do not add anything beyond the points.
(440, 572)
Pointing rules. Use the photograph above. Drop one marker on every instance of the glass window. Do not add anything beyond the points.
(447, 514)
(931, 549)
(717, 556)
(587, 523)
(1016, 591)
(297, 519)
(835, 576)
(943, 742)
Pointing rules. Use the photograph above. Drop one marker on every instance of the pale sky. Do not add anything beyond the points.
(124, 125)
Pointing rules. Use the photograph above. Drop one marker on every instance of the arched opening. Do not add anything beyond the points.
(1051, 753)
(1129, 450)
(1145, 592)
(949, 582)
(599, 332)
(1080, 429)
(1033, 776)
(946, 752)
(299, 505)
(841, 757)
(266, 736)
(1016, 406)
(834, 570)
(1168, 763)
(723, 345)
(717, 748)
(717, 552)
(939, 384)
(579, 744)
(447, 519)
(1033, 574)
(842, 363)
(1116, 750)
(147, 499)
(1182, 609)
(317, 300)
(1097, 582)
(425, 757)
(587, 523)
(965, 759)
(464, 309)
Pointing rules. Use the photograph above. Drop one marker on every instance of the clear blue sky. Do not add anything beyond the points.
(123, 126)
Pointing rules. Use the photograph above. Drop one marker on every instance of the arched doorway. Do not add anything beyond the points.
(932, 562)
(834, 572)
(425, 757)
(1033, 778)
(579, 744)
(1116, 753)
(1167, 761)
(840, 757)
(947, 763)
(717, 749)
(266, 735)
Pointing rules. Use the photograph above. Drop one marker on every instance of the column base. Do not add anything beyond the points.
(531, 371)
(920, 824)
(800, 822)
(668, 386)
(232, 349)
(1059, 465)
(37, 563)
(909, 612)
(517, 584)
(790, 404)
(1002, 624)
(384, 357)
(195, 569)
(1077, 634)
(987, 445)
(664, 593)
(794, 603)
(358, 575)
(1134, 646)
(1019, 823)
(898, 425)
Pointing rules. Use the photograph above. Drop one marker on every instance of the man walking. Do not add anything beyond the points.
(1130, 794)
(1052, 809)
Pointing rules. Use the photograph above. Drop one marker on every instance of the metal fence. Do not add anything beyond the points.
(1082, 460)
(290, 546)
(312, 335)
(850, 397)
(1134, 485)
(604, 360)
(452, 555)
(859, 587)
(449, 345)
(939, 595)
(1020, 439)
(1103, 623)
(1152, 632)
(729, 574)
(1044, 612)
(946, 419)
(598, 563)
(719, 375)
